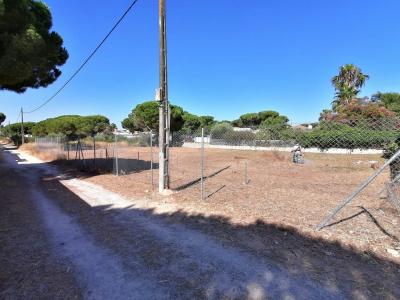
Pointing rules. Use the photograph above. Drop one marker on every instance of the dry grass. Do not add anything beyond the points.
(279, 192)
(48, 156)
(28, 268)
(273, 216)
(279, 156)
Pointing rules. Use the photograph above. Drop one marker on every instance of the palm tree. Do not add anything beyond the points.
(347, 84)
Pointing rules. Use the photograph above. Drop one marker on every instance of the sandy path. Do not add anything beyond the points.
(118, 248)
(28, 267)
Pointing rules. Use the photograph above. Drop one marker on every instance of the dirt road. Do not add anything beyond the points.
(62, 237)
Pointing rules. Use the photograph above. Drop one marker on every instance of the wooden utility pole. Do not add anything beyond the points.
(164, 105)
(22, 127)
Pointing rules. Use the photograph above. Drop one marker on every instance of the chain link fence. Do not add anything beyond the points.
(393, 194)
(218, 159)
(136, 154)
(116, 154)
(202, 162)
(363, 136)
(222, 162)
(89, 152)
(354, 136)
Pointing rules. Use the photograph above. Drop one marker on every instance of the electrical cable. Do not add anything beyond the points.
(86, 60)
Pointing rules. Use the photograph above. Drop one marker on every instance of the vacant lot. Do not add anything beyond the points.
(277, 191)
(272, 219)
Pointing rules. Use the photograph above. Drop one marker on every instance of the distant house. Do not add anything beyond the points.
(123, 133)
(198, 139)
(245, 129)
(303, 127)
(364, 100)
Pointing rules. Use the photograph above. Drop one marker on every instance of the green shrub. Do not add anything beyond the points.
(218, 131)
(330, 135)
(238, 138)
(13, 131)
(348, 138)
(389, 150)
(142, 140)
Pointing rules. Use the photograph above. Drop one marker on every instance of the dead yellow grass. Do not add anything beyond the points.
(279, 156)
(47, 156)
(106, 144)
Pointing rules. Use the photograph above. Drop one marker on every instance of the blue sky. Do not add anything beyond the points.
(226, 57)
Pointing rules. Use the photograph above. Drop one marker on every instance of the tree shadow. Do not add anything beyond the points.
(344, 219)
(370, 216)
(15, 157)
(124, 166)
(210, 257)
(195, 181)
(378, 225)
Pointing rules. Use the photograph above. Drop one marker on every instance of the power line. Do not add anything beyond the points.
(87, 59)
(18, 117)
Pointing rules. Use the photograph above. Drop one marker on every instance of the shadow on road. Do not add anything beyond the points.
(156, 241)
(339, 269)
(124, 166)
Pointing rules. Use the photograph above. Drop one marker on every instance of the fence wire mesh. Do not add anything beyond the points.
(368, 134)
(374, 137)
(135, 154)
(229, 163)
(393, 194)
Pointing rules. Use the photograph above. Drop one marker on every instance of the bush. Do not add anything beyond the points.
(108, 138)
(239, 138)
(13, 131)
(276, 133)
(390, 149)
(218, 131)
(330, 135)
(142, 140)
(347, 138)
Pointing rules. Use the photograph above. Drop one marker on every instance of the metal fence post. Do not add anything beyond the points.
(151, 157)
(246, 179)
(116, 155)
(94, 151)
(202, 165)
(359, 189)
(177, 161)
(83, 156)
(58, 146)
